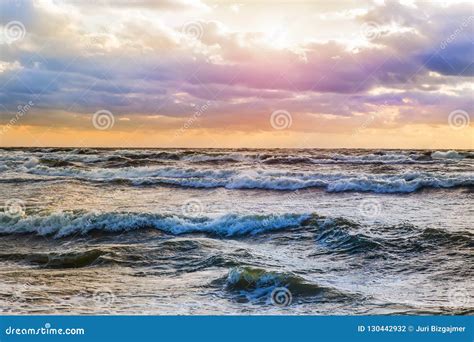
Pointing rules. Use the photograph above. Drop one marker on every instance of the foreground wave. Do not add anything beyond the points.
(253, 284)
(62, 224)
(333, 235)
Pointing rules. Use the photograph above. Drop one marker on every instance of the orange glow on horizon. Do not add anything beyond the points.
(414, 136)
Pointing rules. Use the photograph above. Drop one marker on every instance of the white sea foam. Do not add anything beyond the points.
(237, 157)
(31, 162)
(446, 155)
(389, 158)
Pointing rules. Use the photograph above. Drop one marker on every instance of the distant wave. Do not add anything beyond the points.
(123, 158)
(405, 182)
(449, 155)
(218, 157)
(364, 171)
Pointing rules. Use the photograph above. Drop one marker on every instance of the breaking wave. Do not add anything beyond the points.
(331, 235)
(406, 182)
(66, 223)
(109, 158)
(250, 284)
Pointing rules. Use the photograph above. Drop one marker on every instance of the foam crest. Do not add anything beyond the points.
(66, 223)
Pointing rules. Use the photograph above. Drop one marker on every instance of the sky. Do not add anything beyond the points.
(189, 73)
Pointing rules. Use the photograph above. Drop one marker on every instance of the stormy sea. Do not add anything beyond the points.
(236, 231)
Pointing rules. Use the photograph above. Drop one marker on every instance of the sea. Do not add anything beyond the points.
(236, 231)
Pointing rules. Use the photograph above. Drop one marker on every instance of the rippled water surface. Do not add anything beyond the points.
(177, 231)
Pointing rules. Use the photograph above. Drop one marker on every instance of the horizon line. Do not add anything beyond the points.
(248, 148)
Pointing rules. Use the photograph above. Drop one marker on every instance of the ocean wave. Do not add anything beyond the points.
(51, 162)
(447, 155)
(388, 158)
(218, 157)
(294, 160)
(194, 157)
(392, 184)
(131, 173)
(68, 254)
(74, 259)
(251, 284)
(67, 223)
(127, 157)
(332, 235)
(349, 159)
(339, 235)
(405, 182)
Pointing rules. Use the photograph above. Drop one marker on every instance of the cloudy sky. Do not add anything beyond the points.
(245, 74)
